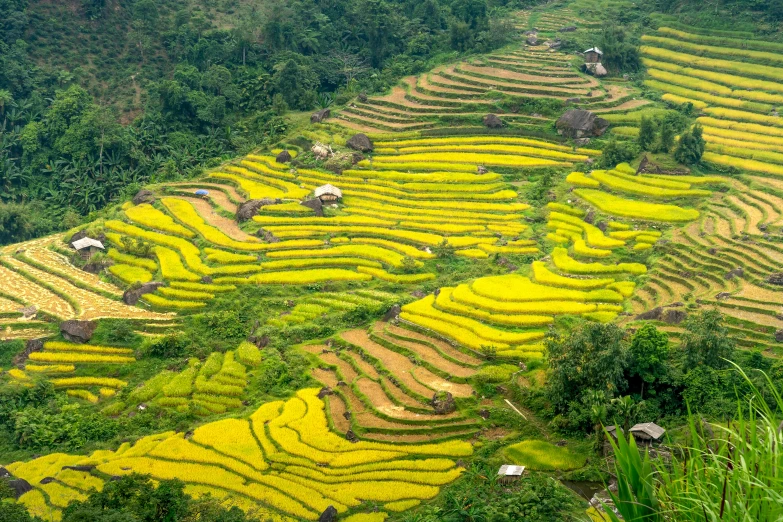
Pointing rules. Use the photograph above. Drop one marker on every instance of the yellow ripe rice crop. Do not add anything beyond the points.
(147, 215)
(186, 248)
(636, 209)
(567, 209)
(475, 253)
(508, 249)
(688, 81)
(402, 248)
(635, 116)
(561, 240)
(647, 238)
(83, 394)
(60, 346)
(711, 87)
(186, 212)
(516, 288)
(157, 300)
(581, 180)
(254, 189)
(430, 177)
(750, 69)
(103, 382)
(732, 142)
(222, 257)
(202, 287)
(107, 392)
(454, 204)
(127, 259)
(713, 133)
(374, 253)
(751, 88)
(759, 155)
(77, 357)
(300, 277)
(416, 237)
(383, 275)
(291, 190)
(18, 374)
(287, 264)
(463, 294)
(407, 212)
(711, 49)
(595, 236)
(743, 164)
(444, 302)
(707, 98)
(50, 368)
(436, 159)
(445, 228)
(755, 128)
(545, 276)
(642, 246)
(653, 181)
(624, 287)
(722, 41)
(581, 248)
(287, 208)
(736, 115)
(402, 505)
(569, 265)
(681, 100)
(634, 187)
(464, 241)
(187, 295)
(130, 274)
(475, 140)
(403, 153)
(461, 329)
(171, 265)
(334, 221)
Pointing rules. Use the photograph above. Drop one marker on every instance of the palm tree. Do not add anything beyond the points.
(627, 409)
(5, 99)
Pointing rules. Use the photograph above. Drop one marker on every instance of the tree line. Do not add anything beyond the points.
(174, 89)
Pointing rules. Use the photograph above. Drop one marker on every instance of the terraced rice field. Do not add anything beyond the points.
(284, 460)
(383, 381)
(736, 86)
(463, 93)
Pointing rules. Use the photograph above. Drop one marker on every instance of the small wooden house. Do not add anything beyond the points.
(509, 473)
(87, 246)
(593, 55)
(327, 193)
(647, 433)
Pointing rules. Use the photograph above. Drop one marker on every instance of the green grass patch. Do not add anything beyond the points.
(539, 455)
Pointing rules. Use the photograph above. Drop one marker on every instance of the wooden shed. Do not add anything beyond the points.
(328, 193)
(647, 433)
(87, 246)
(593, 55)
(509, 473)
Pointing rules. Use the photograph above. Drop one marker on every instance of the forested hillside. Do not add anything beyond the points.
(98, 97)
(376, 261)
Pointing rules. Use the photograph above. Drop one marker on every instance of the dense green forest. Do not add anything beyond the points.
(98, 97)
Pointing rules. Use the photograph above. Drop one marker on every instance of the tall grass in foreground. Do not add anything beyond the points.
(730, 472)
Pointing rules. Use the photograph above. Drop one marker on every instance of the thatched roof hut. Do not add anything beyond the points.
(328, 192)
